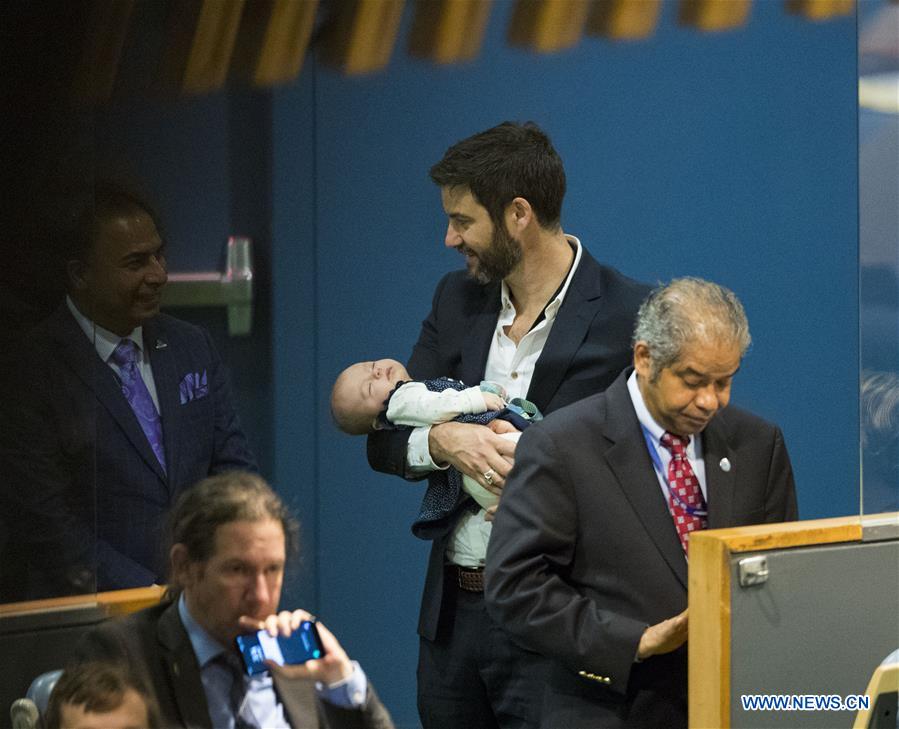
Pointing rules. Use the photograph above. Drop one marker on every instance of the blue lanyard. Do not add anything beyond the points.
(657, 462)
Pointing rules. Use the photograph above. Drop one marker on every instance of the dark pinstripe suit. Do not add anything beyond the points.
(584, 555)
(80, 475)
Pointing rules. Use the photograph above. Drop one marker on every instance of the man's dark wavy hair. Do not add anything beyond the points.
(507, 161)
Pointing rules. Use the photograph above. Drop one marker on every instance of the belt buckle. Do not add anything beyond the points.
(470, 580)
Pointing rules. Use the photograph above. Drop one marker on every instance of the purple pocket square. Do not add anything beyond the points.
(193, 387)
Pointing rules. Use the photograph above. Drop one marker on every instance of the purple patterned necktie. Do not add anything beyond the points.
(136, 393)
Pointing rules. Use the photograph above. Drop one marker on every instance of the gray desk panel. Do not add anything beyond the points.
(821, 624)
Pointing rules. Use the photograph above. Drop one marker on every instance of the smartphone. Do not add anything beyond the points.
(303, 645)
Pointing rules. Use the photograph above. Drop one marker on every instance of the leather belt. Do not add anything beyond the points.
(467, 578)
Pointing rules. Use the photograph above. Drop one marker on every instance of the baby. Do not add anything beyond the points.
(363, 391)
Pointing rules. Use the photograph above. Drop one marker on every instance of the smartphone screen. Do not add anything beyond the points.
(302, 645)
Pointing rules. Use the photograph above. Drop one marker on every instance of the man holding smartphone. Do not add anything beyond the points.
(230, 536)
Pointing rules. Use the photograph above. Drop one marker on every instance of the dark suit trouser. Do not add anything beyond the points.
(473, 675)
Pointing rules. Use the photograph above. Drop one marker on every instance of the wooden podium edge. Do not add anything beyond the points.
(115, 602)
(709, 601)
(709, 634)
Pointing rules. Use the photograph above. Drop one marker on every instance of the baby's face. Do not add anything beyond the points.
(369, 383)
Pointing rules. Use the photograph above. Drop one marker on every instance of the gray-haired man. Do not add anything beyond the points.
(587, 560)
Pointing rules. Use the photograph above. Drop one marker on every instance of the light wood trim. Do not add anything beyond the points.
(547, 25)
(790, 534)
(820, 9)
(123, 602)
(624, 19)
(709, 632)
(714, 15)
(115, 602)
(448, 31)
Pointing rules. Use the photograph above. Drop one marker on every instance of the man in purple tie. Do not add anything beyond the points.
(118, 409)
(587, 562)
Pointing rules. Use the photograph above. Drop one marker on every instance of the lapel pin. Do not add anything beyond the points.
(160, 344)
(725, 465)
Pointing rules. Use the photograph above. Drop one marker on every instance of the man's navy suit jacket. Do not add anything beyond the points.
(80, 474)
(588, 345)
(584, 554)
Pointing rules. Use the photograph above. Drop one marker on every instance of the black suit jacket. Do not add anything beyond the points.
(584, 554)
(154, 642)
(79, 473)
(588, 345)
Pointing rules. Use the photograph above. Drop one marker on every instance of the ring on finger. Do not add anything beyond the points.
(488, 476)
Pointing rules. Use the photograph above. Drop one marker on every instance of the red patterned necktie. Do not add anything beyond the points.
(685, 500)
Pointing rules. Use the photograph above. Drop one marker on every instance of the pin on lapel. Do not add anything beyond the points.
(161, 344)
(725, 465)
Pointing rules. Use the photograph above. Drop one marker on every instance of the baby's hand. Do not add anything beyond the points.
(494, 402)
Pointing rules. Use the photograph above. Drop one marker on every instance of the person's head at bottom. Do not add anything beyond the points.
(100, 695)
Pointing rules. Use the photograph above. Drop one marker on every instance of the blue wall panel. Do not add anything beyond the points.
(728, 156)
(731, 156)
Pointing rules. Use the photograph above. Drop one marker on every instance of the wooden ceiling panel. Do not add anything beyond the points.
(201, 42)
(821, 9)
(548, 25)
(104, 39)
(714, 15)
(624, 19)
(360, 35)
(273, 40)
(448, 31)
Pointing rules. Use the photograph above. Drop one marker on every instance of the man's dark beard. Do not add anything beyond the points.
(498, 260)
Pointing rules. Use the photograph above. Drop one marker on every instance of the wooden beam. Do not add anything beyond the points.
(547, 25)
(708, 637)
(714, 15)
(360, 35)
(821, 9)
(448, 31)
(272, 41)
(105, 32)
(201, 42)
(624, 19)
(115, 602)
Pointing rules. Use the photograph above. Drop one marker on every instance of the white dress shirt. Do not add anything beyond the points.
(512, 366)
(662, 455)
